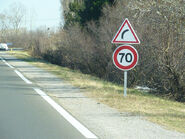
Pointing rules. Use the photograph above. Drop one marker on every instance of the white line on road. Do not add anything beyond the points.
(7, 63)
(83, 130)
(22, 77)
(18, 73)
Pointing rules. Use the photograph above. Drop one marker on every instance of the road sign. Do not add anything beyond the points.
(125, 57)
(126, 34)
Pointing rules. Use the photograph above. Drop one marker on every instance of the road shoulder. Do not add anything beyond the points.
(104, 121)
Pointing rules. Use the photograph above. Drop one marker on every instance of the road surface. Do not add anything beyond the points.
(24, 114)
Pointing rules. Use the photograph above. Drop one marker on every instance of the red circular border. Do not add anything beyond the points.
(133, 64)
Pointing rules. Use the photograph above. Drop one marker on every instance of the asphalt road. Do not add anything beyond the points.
(24, 114)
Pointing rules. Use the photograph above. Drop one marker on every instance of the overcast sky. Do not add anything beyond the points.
(46, 13)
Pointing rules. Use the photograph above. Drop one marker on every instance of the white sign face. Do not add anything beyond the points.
(125, 57)
(126, 34)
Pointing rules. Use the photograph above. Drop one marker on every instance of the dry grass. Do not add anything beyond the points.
(159, 110)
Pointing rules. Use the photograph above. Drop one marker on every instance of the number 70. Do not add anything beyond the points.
(127, 57)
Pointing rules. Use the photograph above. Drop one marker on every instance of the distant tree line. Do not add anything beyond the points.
(11, 29)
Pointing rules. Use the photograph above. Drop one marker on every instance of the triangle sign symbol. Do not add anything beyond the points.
(126, 34)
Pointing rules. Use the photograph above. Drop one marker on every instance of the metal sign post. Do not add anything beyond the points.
(125, 57)
(125, 83)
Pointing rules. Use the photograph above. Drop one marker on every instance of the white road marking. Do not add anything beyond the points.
(83, 130)
(22, 77)
(7, 63)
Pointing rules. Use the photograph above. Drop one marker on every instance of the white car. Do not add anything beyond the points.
(3, 46)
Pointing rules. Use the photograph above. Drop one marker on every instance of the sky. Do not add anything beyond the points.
(39, 13)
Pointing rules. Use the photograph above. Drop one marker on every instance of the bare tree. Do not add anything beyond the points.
(4, 26)
(11, 23)
(16, 16)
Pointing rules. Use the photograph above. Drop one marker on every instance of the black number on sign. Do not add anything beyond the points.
(122, 56)
(128, 57)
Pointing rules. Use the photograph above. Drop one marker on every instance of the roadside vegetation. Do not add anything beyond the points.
(84, 42)
(168, 113)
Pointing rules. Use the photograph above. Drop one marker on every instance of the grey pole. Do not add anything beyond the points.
(125, 83)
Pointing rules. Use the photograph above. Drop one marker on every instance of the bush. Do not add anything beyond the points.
(159, 26)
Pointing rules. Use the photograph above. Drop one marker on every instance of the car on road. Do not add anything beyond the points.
(3, 46)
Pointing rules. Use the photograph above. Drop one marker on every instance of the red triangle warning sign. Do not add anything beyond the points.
(126, 34)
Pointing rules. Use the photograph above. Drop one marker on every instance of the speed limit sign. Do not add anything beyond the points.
(125, 57)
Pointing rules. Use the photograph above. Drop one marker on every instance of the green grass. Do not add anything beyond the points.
(162, 111)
